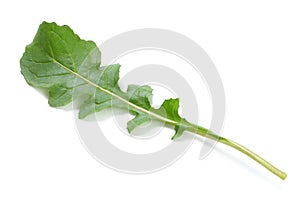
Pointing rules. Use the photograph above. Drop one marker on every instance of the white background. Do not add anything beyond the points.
(255, 46)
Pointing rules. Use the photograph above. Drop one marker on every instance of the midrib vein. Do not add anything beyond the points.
(159, 117)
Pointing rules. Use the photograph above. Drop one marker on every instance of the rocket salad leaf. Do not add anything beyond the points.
(69, 67)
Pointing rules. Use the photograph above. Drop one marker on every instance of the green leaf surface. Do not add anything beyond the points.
(55, 53)
(68, 67)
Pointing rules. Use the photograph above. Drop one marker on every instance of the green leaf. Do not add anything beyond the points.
(68, 67)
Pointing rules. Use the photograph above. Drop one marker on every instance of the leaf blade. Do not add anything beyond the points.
(59, 61)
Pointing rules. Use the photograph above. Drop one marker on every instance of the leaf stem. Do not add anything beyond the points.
(209, 134)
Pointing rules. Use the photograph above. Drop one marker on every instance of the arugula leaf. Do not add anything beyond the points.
(57, 60)
(68, 67)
